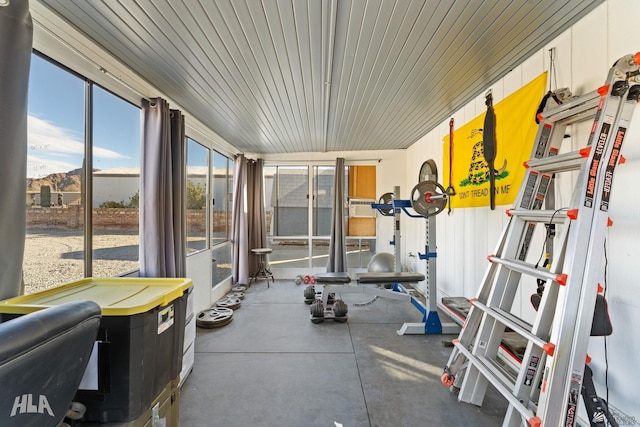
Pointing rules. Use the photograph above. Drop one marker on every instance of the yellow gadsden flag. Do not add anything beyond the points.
(515, 133)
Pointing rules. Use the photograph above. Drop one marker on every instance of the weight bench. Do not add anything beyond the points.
(325, 306)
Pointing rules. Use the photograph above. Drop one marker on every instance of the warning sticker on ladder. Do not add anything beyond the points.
(595, 161)
(611, 165)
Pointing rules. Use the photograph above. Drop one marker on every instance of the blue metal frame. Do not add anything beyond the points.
(431, 319)
(396, 204)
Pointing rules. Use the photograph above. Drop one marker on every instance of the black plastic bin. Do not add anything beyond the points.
(139, 346)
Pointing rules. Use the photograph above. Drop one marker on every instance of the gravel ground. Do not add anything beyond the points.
(54, 257)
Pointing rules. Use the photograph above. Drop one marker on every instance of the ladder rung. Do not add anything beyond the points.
(577, 110)
(540, 216)
(560, 163)
(495, 370)
(510, 321)
(490, 375)
(523, 267)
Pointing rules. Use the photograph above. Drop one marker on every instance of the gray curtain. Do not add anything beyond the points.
(239, 227)
(16, 36)
(162, 191)
(249, 229)
(337, 244)
(255, 211)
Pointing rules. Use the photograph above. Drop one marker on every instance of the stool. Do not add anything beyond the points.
(263, 271)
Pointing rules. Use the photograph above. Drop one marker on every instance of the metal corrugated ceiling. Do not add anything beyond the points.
(281, 76)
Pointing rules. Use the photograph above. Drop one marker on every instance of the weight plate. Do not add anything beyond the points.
(385, 199)
(340, 308)
(238, 295)
(229, 302)
(317, 312)
(428, 198)
(310, 292)
(239, 288)
(214, 317)
(76, 411)
(428, 171)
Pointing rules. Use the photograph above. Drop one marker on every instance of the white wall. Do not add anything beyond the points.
(584, 53)
(115, 188)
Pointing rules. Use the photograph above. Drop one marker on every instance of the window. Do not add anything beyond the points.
(116, 184)
(54, 240)
(322, 205)
(56, 232)
(288, 205)
(197, 172)
(222, 188)
(222, 192)
(287, 200)
(323, 183)
(287, 215)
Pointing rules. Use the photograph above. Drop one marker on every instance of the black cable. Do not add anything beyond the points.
(606, 354)
(548, 234)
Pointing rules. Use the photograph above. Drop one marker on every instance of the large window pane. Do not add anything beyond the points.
(222, 195)
(359, 251)
(197, 172)
(323, 183)
(322, 208)
(222, 187)
(54, 243)
(287, 200)
(221, 256)
(320, 252)
(116, 184)
(289, 253)
(287, 212)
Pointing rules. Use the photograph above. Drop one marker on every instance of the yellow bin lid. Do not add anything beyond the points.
(118, 296)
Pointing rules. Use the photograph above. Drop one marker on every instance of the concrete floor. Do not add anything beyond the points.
(272, 367)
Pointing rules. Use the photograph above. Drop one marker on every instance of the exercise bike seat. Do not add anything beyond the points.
(43, 356)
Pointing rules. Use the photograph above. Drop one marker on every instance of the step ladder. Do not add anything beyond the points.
(545, 389)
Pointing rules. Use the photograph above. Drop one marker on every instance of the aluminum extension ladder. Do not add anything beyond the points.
(545, 389)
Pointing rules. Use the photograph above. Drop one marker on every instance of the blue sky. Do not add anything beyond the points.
(56, 124)
(56, 127)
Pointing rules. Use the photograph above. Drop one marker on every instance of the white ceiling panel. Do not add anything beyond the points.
(283, 76)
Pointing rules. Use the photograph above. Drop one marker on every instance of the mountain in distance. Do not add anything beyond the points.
(63, 181)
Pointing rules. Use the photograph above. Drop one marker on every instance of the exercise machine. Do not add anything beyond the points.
(428, 198)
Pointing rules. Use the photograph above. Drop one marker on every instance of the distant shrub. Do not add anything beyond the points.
(196, 198)
(196, 195)
(134, 202)
(113, 204)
